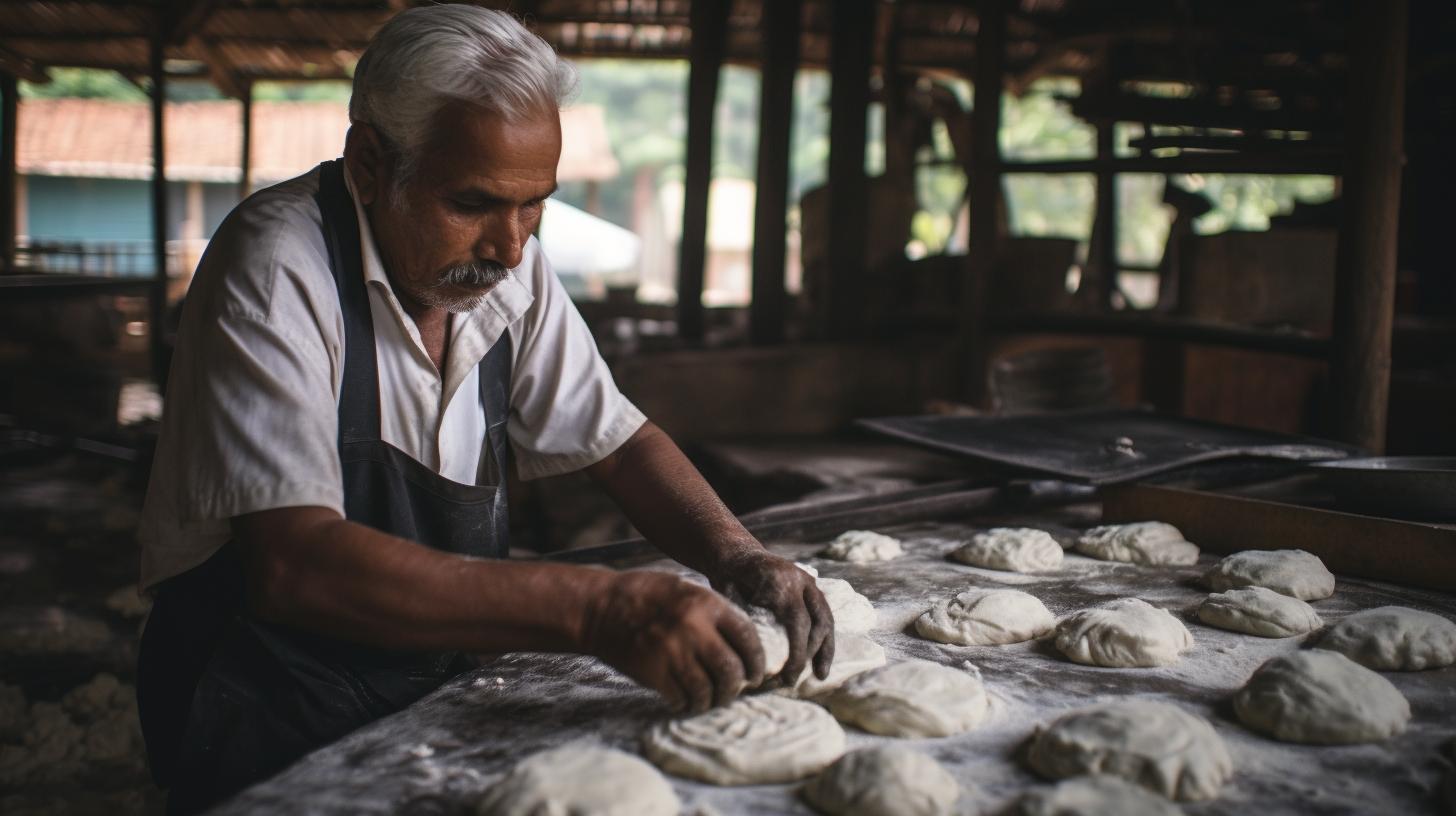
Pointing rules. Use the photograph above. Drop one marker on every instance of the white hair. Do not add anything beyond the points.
(429, 56)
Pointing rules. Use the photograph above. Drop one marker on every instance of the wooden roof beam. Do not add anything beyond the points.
(183, 18)
(21, 67)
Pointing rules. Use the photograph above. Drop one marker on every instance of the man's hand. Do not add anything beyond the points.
(759, 578)
(683, 640)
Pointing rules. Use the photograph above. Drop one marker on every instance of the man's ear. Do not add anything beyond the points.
(367, 160)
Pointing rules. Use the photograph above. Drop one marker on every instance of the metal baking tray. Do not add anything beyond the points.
(1416, 487)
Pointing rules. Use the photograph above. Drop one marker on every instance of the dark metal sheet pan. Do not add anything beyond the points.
(1416, 487)
(1099, 447)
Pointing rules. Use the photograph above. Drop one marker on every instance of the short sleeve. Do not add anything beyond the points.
(566, 410)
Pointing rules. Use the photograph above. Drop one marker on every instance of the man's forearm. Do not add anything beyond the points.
(311, 569)
(671, 504)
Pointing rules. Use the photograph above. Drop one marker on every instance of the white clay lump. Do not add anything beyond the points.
(914, 698)
(1121, 634)
(581, 778)
(1145, 542)
(1096, 795)
(986, 617)
(1295, 573)
(852, 611)
(1394, 638)
(1322, 698)
(1014, 549)
(1259, 611)
(862, 546)
(759, 740)
(884, 780)
(853, 653)
(1156, 745)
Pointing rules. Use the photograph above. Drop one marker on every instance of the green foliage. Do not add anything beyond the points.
(319, 91)
(83, 83)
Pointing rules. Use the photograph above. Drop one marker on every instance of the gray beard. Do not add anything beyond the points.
(482, 275)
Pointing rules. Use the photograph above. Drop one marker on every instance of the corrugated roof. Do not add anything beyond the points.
(98, 138)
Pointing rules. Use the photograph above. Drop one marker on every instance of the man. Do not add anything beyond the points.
(365, 350)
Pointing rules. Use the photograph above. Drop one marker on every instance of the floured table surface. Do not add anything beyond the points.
(440, 754)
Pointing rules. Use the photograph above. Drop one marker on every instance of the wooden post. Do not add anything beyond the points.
(9, 175)
(985, 192)
(768, 310)
(1370, 217)
(1103, 250)
(158, 294)
(245, 161)
(850, 54)
(709, 22)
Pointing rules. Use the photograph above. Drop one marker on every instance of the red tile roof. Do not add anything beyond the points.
(104, 139)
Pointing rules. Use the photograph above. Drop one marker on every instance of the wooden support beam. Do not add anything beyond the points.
(1370, 218)
(158, 299)
(1103, 249)
(768, 310)
(21, 67)
(708, 47)
(983, 199)
(9, 175)
(852, 28)
(245, 161)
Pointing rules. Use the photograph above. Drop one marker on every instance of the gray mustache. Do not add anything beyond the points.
(476, 275)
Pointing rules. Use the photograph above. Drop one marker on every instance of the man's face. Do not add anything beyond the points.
(462, 220)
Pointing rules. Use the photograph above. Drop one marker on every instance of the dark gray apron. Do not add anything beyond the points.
(227, 700)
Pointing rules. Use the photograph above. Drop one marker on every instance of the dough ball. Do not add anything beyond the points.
(1121, 634)
(1144, 542)
(861, 546)
(1159, 746)
(1322, 698)
(986, 617)
(809, 568)
(853, 612)
(1017, 549)
(915, 698)
(1259, 611)
(581, 778)
(1295, 573)
(853, 653)
(761, 740)
(1394, 638)
(885, 780)
(1097, 795)
(773, 638)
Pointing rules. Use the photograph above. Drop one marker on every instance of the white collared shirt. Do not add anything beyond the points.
(251, 417)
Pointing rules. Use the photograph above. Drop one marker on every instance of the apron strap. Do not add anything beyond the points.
(359, 395)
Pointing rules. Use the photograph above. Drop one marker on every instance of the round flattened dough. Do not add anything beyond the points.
(1016, 549)
(1295, 573)
(1394, 638)
(853, 653)
(915, 698)
(986, 617)
(1096, 795)
(1121, 634)
(861, 546)
(1259, 611)
(852, 611)
(1159, 746)
(581, 779)
(1144, 542)
(760, 740)
(1323, 698)
(884, 780)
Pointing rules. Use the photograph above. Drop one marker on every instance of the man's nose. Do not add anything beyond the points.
(503, 239)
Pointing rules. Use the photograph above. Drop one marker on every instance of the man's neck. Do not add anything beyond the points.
(432, 322)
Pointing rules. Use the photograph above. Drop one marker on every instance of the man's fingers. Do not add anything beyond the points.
(795, 620)
(725, 670)
(739, 632)
(821, 633)
(695, 683)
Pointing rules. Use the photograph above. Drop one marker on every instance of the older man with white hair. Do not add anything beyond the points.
(365, 352)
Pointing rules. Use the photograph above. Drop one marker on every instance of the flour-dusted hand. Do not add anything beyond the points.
(759, 578)
(684, 640)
